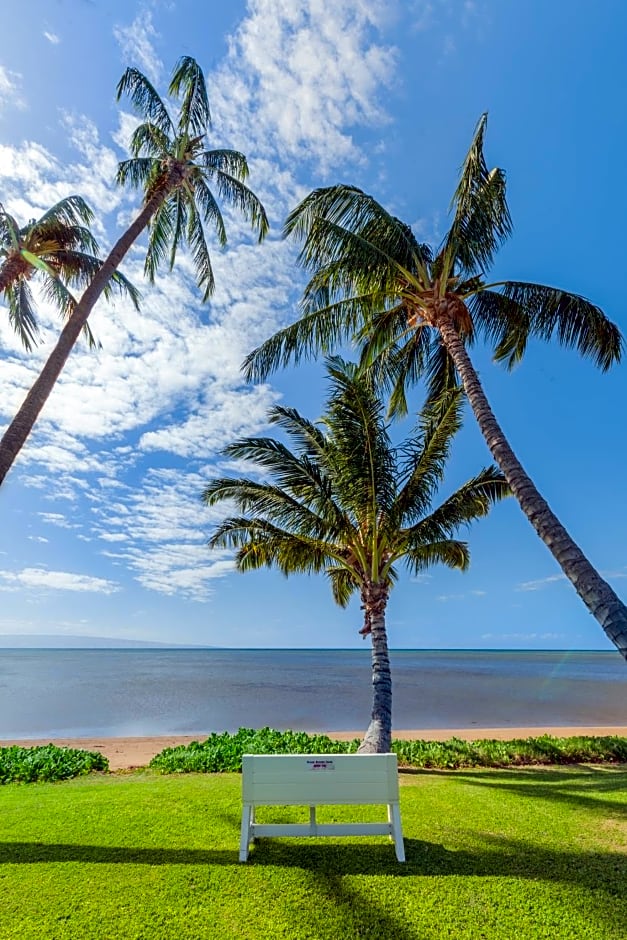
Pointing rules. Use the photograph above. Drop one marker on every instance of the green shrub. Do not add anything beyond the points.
(47, 763)
(522, 751)
(223, 752)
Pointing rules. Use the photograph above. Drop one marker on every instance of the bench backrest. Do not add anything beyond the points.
(318, 779)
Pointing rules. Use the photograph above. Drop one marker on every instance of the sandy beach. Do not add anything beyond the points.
(131, 752)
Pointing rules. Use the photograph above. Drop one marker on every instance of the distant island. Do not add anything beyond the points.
(53, 641)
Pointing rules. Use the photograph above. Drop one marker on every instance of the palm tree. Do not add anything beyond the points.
(60, 249)
(415, 310)
(171, 164)
(348, 503)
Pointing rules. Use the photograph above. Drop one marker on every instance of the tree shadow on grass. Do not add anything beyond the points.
(581, 789)
(328, 868)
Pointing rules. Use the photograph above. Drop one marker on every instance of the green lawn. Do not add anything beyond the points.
(520, 853)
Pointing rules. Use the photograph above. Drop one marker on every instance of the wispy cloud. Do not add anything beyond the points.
(310, 72)
(526, 637)
(52, 38)
(56, 580)
(133, 432)
(137, 45)
(540, 583)
(460, 597)
(10, 93)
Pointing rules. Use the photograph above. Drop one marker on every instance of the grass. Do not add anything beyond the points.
(522, 853)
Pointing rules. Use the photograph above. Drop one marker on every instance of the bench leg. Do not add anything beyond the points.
(397, 831)
(247, 813)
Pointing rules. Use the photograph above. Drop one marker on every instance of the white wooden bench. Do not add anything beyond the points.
(319, 780)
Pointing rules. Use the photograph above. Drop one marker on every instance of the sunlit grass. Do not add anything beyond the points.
(490, 854)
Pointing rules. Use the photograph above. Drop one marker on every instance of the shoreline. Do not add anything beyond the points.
(130, 753)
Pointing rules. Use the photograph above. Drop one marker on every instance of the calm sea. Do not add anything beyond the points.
(66, 693)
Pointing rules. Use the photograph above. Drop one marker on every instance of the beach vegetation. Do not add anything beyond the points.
(222, 753)
(347, 503)
(520, 853)
(47, 763)
(182, 183)
(58, 250)
(415, 311)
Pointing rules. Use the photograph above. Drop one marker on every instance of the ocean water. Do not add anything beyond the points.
(67, 693)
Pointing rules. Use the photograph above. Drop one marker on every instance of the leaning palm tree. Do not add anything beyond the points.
(416, 310)
(170, 162)
(347, 503)
(58, 249)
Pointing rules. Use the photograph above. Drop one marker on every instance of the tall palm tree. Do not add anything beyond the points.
(172, 166)
(61, 251)
(347, 503)
(416, 310)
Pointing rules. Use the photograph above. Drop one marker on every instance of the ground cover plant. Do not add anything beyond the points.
(223, 752)
(525, 853)
(49, 763)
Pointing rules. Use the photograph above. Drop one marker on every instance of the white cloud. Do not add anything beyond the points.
(525, 637)
(166, 390)
(10, 89)
(136, 44)
(310, 72)
(52, 38)
(540, 583)
(56, 580)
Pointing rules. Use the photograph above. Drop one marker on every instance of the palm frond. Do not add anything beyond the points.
(471, 501)
(71, 211)
(242, 198)
(449, 552)
(150, 140)
(145, 99)
(9, 230)
(138, 172)
(58, 294)
(208, 207)
(267, 502)
(426, 456)
(327, 218)
(481, 220)
(21, 313)
(343, 584)
(199, 250)
(188, 85)
(440, 373)
(548, 313)
(318, 331)
(160, 232)
(308, 436)
(359, 451)
(228, 161)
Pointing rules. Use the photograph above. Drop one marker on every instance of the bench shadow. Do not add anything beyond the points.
(497, 856)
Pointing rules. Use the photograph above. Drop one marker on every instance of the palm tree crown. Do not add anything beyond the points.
(172, 165)
(347, 503)
(372, 280)
(60, 249)
(415, 311)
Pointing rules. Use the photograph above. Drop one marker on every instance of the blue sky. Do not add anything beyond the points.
(103, 533)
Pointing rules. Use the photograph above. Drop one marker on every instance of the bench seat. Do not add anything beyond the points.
(320, 780)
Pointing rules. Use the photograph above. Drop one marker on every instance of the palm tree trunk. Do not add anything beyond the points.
(597, 595)
(378, 737)
(22, 424)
